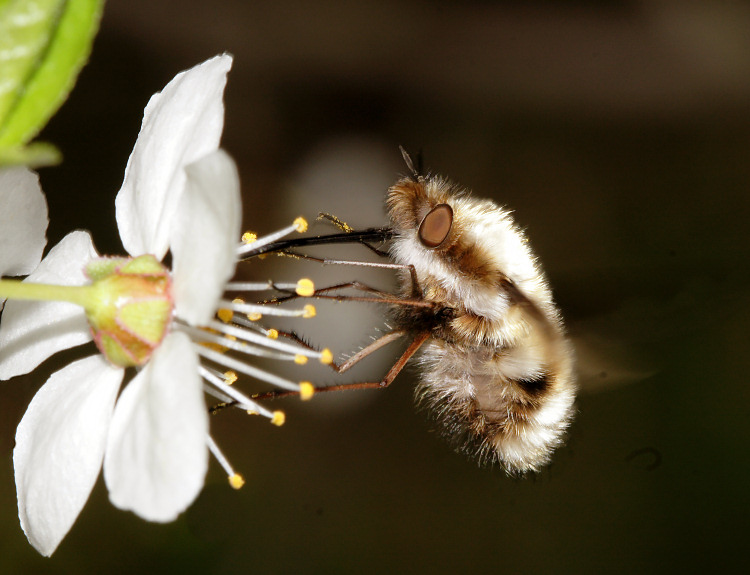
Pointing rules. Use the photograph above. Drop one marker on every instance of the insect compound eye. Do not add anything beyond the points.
(436, 226)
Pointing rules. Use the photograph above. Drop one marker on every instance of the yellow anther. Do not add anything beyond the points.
(305, 287)
(230, 377)
(300, 359)
(238, 300)
(308, 311)
(272, 334)
(301, 224)
(254, 316)
(326, 357)
(225, 314)
(249, 237)
(278, 418)
(236, 481)
(306, 390)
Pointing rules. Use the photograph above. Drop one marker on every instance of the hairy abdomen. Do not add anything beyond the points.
(508, 405)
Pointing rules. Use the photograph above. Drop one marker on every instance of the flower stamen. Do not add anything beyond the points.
(223, 343)
(299, 225)
(242, 367)
(261, 310)
(235, 479)
(304, 287)
(230, 395)
(262, 340)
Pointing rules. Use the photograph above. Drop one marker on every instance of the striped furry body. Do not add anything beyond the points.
(497, 371)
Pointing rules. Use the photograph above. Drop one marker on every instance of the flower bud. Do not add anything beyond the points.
(132, 307)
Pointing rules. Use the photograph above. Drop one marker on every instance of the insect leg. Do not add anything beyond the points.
(328, 261)
(416, 291)
(383, 383)
(382, 341)
(378, 296)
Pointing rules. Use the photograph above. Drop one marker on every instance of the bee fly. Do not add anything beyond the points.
(496, 368)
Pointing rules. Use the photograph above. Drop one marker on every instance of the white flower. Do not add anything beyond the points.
(180, 193)
(23, 221)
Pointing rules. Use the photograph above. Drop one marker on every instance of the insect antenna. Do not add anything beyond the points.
(417, 171)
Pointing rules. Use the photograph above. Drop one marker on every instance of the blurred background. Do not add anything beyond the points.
(619, 133)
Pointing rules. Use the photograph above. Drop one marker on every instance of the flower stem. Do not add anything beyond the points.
(17, 289)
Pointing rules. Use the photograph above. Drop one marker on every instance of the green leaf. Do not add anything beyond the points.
(43, 46)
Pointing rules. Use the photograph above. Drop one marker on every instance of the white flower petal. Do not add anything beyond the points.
(59, 448)
(180, 125)
(23, 221)
(156, 457)
(205, 235)
(32, 331)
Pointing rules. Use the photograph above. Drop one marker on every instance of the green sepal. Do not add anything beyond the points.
(146, 319)
(101, 268)
(143, 265)
(114, 351)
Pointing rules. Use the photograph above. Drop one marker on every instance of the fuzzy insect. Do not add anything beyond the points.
(496, 368)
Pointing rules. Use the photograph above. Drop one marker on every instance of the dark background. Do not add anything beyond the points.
(619, 133)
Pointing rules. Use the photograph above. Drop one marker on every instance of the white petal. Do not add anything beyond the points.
(205, 236)
(180, 125)
(23, 221)
(32, 331)
(156, 457)
(59, 448)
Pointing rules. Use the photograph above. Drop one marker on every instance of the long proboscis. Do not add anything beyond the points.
(358, 236)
